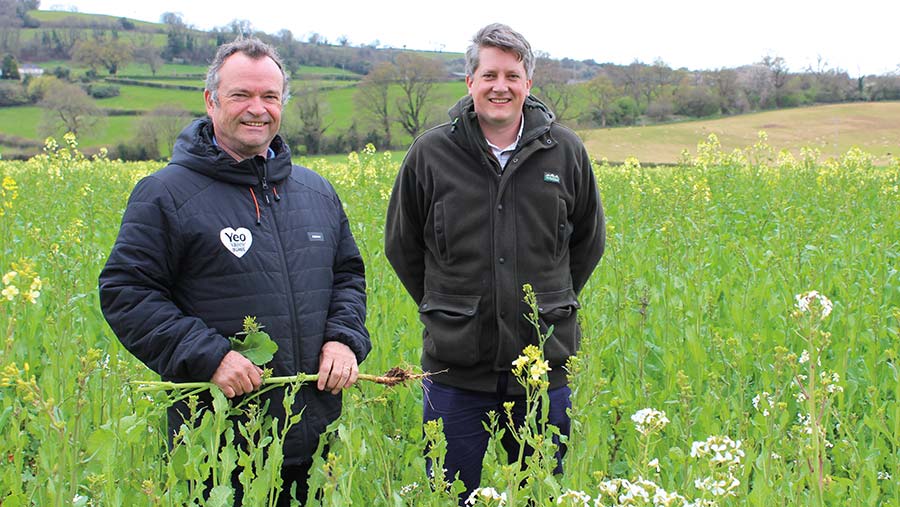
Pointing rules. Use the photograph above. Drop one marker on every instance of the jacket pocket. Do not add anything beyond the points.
(440, 231)
(452, 327)
(563, 229)
(559, 309)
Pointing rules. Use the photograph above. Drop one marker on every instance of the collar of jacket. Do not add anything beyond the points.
(467, 131)
(196, 150)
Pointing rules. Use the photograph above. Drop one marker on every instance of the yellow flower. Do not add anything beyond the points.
(532, 352)
(8, 278)
(32, 295)
(36, 284)
(9, 184)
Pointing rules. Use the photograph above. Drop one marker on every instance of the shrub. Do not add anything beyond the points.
(102, 91)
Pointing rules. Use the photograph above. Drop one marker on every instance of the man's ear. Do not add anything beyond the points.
(210, 105)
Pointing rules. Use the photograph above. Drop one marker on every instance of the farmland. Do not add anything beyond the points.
(693, 313)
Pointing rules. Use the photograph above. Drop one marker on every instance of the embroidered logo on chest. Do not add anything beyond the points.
(237, 241)
(551, 178)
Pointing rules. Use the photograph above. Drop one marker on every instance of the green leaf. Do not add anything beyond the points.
(257, 346)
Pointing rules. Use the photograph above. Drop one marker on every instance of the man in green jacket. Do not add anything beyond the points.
(499, 196)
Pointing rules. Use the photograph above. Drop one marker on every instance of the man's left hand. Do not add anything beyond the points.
(337, 367)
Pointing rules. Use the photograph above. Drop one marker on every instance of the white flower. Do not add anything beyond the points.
(486, 494)
(10, 292)
(8, 277)
(632, 493)
(805, 300)
(883, 476)
(654, 463)
(572, 497)
(762, 402)
(804, 356)
(409, 488)
(649, 420)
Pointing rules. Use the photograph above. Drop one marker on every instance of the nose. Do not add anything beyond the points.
(256, 106)
(500, 85)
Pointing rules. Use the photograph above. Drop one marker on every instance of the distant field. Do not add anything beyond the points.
(143, 98)
(56, 18)
(832, 129)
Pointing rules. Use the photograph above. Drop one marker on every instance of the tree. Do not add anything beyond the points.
(108, 54)
(67, 108)
(725, 84)
(416, 75)
(306, 125)
(756, 81)
(778, 67)
(241, 27)
(552, 86)
(10, 67)
(602, 94)
(146, 52)
(160, 127)
(373, 98)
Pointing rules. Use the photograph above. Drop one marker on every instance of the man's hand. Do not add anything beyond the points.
(236, 375)
(337, 367)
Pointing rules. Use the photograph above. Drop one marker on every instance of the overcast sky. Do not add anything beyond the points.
(860, 36)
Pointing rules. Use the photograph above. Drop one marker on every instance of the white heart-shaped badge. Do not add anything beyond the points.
(237, 241)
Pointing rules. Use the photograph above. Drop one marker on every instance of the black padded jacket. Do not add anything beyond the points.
(206, 241)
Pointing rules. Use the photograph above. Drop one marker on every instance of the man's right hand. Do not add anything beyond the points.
(236, 375)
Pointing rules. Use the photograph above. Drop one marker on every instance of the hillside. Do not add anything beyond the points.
(832, 129)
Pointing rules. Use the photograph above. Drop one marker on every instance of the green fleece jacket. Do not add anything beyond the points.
(465, 237)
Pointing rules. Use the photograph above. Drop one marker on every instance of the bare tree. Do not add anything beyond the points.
(552, 86)
(67, 108)
(146, 52)
(416, 76)
(725, 84)
(306, 122)
(778, 67)
(373, 97)
(161, 126)
(756, 81)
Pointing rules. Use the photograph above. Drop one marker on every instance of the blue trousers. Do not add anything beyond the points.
(464, 413)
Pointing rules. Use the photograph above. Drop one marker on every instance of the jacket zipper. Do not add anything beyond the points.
(285, 273)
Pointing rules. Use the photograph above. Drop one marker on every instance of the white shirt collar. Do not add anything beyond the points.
(503, 154)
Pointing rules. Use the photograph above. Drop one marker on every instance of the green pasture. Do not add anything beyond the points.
(693, 312)
(57, 18)
(144, 98)
(21, 121)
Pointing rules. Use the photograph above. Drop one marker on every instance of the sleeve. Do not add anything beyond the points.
(404, 244)
(347, 310)
(588, 239)
(136, 292)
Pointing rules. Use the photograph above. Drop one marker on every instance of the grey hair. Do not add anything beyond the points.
(253, 48)
(500, 36)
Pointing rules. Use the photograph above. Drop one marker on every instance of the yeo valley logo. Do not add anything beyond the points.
(237, 241)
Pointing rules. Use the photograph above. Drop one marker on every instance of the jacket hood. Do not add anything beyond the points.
(538, 118)
(196, 150)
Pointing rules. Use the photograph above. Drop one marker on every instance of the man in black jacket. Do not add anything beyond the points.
(498, 197)
(231, 228)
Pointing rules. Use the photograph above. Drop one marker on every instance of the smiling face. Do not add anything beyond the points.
(248, 113)
(498, 86)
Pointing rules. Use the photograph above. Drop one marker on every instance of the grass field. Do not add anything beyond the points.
(832, 129)
(695, 340)
(143, 98)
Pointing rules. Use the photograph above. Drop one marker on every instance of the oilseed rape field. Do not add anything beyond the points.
(740, 347)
